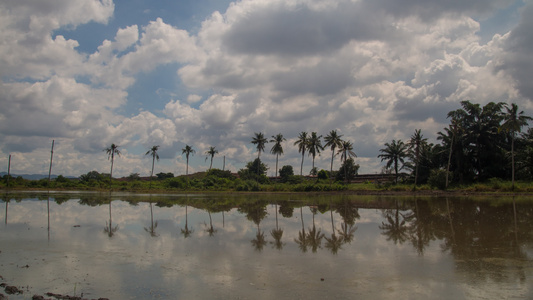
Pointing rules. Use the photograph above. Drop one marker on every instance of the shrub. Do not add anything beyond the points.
(323, 174)
(437, 178)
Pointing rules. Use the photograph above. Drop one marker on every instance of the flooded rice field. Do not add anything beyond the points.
(219, 246)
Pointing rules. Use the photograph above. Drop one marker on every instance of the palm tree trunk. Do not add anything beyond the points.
(512, 158)
(331, 166)
(111, 172)
(152, 174)
(277, 155)
(187, 168)
(449, 161)
(302, 165)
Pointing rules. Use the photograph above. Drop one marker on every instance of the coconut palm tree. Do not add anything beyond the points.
(153, 153)
(302, 143)
(211, 152)
(415, 144)
(187, 151)
(111, 151)
(314, 146)
(346, 151)
(513, 123)
(394, 153)
(333, 140)
(259, 141)
(277, 148)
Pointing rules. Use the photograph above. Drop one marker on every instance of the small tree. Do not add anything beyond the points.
(348, 170)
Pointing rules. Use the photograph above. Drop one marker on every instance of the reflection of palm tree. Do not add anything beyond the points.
(334, 243)
(277, 233)
(109, 229)
(314, 236)
(210, 229)
(259, 242)
(302, 237)
(347, 231)
(186, 231)
(153, 226)
(395, 229)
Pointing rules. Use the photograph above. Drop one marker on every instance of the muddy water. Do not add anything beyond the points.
(122, 246)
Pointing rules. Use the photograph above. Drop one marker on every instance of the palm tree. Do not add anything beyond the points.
(346, 150)
(314, 146)
(394, 153)
(259, 141)
(153, 152)
(187, 150)
(417, 139)
(111, 151)
(333, 140)
(277, 148)
(513, 123)
(211, 152)
(302, 143)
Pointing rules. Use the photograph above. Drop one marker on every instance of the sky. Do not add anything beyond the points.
(139, 73)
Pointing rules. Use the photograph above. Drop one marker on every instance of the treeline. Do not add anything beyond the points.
(481, 144)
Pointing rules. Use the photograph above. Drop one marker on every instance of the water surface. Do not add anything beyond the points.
(124, 246)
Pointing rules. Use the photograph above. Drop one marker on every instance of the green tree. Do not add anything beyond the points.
(277, 148)
(333, 141)
(211, 152)
(346, 151)
(415, 146)
(188, 150)
(302, 143)
(314, 146)
(513, 123)
(153, 153)
(348, 170)
(111, 151)
(394, 153)
(259, 141)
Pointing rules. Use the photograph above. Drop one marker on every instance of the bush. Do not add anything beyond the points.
(286, 171)
(437, 178)
(323, 174)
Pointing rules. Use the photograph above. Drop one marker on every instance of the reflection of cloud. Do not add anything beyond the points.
(132, 263)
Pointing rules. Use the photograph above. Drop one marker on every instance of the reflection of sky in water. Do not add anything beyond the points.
(135, 265)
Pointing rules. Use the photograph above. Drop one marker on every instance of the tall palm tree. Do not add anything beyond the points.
(314, 146)
(259, 141)
(394, 153)
(277, 148)
(417, 139)
(111, 151)
(346, 151)
(153, 153)
(302, 143)
(187, 151)
(513, 123)
(333, 140)
(211, 152)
